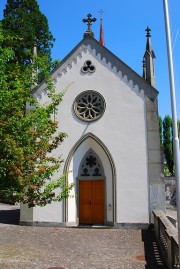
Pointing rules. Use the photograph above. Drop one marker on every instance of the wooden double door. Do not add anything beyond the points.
(91, 201)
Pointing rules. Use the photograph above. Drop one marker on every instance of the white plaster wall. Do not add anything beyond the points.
(50, 213)
(122, 129)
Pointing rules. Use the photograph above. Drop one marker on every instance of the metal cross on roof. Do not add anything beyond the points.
(89, 21)
(148, 30)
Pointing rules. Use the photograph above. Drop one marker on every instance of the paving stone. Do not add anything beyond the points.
(76, 248)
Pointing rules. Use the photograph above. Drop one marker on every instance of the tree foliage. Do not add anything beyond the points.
(166, 140)
(168, 143)
(161, 131)
(23, 19)
(27, 140)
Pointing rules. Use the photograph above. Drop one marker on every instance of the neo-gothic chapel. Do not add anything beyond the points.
(112, 153)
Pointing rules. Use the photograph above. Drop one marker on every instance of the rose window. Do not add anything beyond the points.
(89, 105)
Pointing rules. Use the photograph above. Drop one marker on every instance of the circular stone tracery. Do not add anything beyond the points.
(89, 105)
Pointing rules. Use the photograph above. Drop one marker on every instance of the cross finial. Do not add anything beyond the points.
(89, 21)
(148, 30)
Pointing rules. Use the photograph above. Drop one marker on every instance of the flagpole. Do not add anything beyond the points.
(174, 114)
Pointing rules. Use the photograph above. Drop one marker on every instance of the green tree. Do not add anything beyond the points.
(27, 140)
(168, 143)
(161, 130)
(23, 19)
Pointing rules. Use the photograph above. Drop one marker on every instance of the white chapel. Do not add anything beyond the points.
(112, 153)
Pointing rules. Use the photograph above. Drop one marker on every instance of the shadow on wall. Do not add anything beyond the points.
(10, 216)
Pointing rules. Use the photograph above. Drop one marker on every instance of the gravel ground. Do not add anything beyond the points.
(74, 248)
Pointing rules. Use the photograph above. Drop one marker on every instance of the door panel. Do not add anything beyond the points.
(91, 202)
(98, 202)
(85, 208)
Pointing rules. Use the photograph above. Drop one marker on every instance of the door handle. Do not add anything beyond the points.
(90, 202)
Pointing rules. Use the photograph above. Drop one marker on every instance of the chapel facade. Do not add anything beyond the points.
(112, 153)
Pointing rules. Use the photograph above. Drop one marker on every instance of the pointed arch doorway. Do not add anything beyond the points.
(104, 171)
(91, 190)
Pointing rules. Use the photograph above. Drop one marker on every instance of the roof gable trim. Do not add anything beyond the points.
(115, 65)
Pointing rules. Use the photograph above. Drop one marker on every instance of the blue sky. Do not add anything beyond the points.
(124, 29)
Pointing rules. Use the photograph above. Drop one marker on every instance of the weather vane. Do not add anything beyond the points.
(101, 11)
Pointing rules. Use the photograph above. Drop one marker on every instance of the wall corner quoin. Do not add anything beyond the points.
(155, 160)
(26, 213)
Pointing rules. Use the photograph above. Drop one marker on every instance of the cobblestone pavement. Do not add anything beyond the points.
(76, 248)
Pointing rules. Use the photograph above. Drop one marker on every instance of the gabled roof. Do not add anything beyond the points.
(116, 63)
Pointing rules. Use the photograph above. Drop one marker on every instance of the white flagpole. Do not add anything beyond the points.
(174, 114)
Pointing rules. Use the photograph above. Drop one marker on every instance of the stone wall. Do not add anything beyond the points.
(155, 161)
(170, 191)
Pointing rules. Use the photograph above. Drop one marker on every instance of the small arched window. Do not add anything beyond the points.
(91, 165)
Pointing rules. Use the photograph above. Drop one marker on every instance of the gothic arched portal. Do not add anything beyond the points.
(90, 166)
